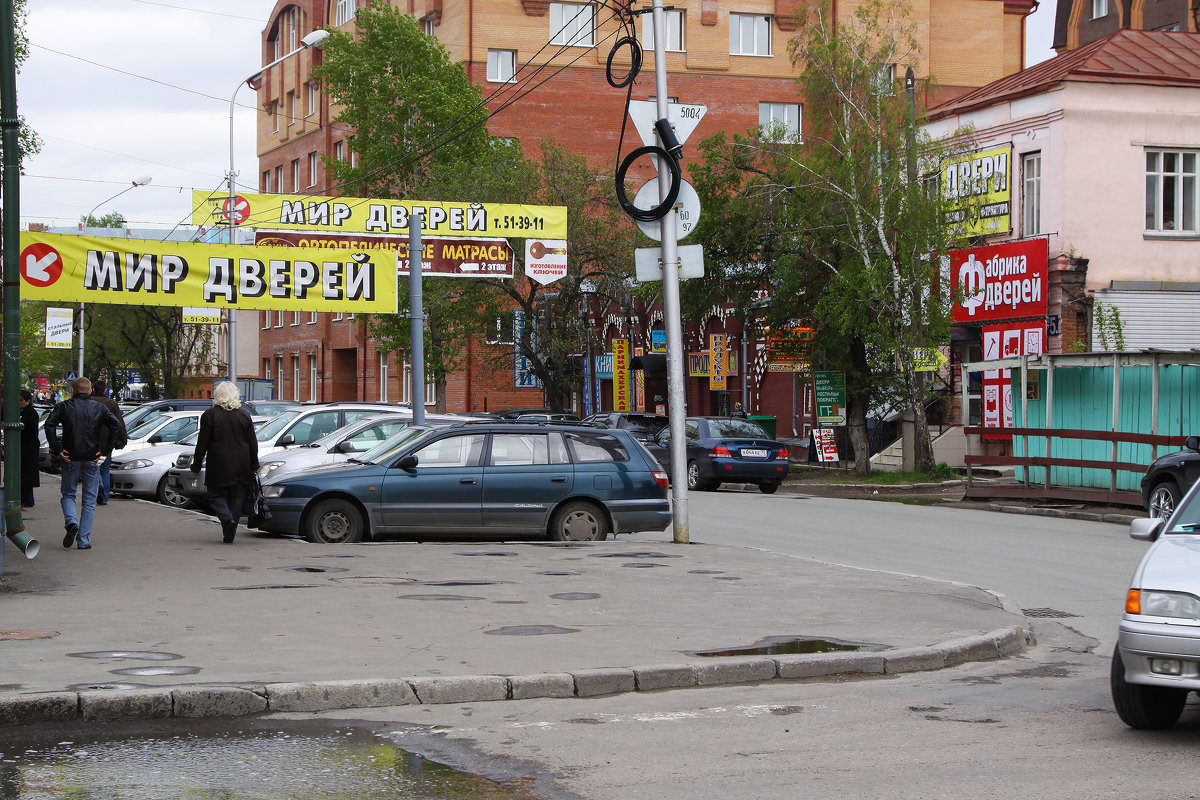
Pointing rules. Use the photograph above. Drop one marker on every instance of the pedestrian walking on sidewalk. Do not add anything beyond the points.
(29, 448)
(106, 441)
(227, 441)
(83, 421)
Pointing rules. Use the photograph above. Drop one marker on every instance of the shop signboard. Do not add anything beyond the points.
(717, 375)
(621, 388)
(1003, 281)
(825, 444)
(977, 187)
(830, 392)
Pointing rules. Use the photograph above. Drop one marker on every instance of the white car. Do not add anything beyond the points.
(143, 472)
(1157, 658)
(163, 429)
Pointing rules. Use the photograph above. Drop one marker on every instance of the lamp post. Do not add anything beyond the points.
(136, 182)
(314, 39)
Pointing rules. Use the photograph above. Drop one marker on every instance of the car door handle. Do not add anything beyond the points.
(467, 480)
(559, 479)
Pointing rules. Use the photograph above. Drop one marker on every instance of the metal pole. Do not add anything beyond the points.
(676, 393)
(416, 316)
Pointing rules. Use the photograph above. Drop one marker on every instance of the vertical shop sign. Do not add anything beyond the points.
(717, 365)
(523, 377)
(620, 371)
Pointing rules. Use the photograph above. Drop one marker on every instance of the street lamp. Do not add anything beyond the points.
(314, 39)
(136, 182)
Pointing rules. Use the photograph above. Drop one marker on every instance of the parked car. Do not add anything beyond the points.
(1157, 658)
(726, 450)
(642, 424)
(294, 428)
(161, 429)
(1169, 478)
(138, 414)
(570, 482)
(343, 444)
(143, 473)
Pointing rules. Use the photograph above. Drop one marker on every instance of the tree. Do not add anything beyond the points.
(113, 219)
(846, 231)
(420, 133)
(29, 141)
(151, 339)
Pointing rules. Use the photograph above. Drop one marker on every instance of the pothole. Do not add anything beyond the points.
(497, 553)
(642, 565)
(96, 687)
(706, 572)
(459, 583)
(375, 580)
(303, 568)
(635, 554)
(562, 572)
(791, 645)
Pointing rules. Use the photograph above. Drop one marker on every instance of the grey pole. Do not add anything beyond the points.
(416, 315)
(676, 395)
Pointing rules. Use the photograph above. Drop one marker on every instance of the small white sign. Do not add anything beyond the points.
(683, 118)
(545, 259)
(60, 328)
(648, 262)
(201, 316)
(687, 206)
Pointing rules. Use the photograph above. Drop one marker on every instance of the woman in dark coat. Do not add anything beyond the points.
(227, 441)
(29, 449)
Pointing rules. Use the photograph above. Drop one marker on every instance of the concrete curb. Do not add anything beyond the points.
(1089, 516)
(243, 700)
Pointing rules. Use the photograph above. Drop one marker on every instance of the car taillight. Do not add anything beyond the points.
(720, 451)
(783, 452)
(661, 479)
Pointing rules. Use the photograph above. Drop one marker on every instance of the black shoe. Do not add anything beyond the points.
(85, 547)
(69, 539)
(101, 502)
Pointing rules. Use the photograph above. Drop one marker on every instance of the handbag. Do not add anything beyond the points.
(256, 509)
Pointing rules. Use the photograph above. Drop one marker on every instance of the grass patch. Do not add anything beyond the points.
(940, 472)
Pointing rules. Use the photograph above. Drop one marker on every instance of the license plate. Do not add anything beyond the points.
(753, 453)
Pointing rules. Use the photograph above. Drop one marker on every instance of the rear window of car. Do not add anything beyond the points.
(527, 449)
(595, 448)
(647, 425)
(736, 429)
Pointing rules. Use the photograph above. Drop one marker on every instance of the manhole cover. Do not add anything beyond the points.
(1047, 613)
(135, 655)
(151, 672)
(19, 635)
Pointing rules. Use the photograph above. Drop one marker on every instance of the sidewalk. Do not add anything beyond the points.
(160, 618)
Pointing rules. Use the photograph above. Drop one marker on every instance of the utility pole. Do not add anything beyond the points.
(416, 315)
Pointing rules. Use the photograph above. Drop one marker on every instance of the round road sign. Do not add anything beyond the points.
(688, 206)
(238, 211)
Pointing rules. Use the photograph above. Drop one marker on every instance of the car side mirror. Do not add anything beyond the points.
(408, 462)
(1146, 529)
(155, 439)
(344, 447)
(1192, 443)
(286, 439)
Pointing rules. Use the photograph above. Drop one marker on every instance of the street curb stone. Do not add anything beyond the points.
(235, 701)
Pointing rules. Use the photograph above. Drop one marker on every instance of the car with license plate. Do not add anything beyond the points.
(642, 424)
(1169, 477)
(726, 450)
(479, 478)
(1156, 662)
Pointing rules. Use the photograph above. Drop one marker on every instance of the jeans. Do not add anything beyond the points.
(72, 474)
(105, 480)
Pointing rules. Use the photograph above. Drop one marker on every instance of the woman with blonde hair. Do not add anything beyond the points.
(227, 441)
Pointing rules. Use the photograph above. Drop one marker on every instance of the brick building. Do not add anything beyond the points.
(729, 56)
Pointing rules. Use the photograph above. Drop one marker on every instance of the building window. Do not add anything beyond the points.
(279, 319)
(429, 31)
(279, 372)
(780, 122)
(266, 182)
(430, 388)
(266, 320)
(267, 369)
(500, 329)
(279, 180)
(293, 28)
(338, 316)
(339, 150)
(295, 175)
(295, 318)
(345, 12)
(674, 24)
(291, 108)
(572, 24)
(502, 66)
(312, 318)
(383, 377)
(313, 161)
(310, 99)
(1099, 9)
(1171, 191)
(275, 116)
(312, 379)
(1031, 195)
(295, 379)
(749, 35)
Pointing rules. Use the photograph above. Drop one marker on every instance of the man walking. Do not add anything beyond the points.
(106, 441)
(82, 420)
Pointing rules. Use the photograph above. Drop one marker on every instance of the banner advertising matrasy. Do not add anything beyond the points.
(1001, 281)
(458, 257)
(976, 186)
(300, 212)
(88, 269)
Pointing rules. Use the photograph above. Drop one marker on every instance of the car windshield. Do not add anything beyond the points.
(146, 428)
(1187, 517)
(387, 450)
(191, 438)
(647, 425)
(735, 429)
(273, 428)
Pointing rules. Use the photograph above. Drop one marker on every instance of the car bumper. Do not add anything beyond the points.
(640, 515)
(285, 515)
(727, 470)
(183, 482)
(135, 481)
(1146, 646)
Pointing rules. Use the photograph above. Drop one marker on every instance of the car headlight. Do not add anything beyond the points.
(273, 491)
(269, 467)
(140, 463)
(1153, 603)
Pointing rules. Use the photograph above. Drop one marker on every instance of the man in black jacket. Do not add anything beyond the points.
(82, 420)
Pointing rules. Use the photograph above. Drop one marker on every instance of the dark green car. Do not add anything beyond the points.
(480, 478)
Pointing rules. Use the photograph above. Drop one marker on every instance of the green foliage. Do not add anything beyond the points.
(151, 339)
(113, 219)
(1107, 325)
(30, 143)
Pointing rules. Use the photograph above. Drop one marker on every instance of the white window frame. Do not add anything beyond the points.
(295, 176)
(266, 321)
(310, 98)
(312, 378)
(338, 316)
(291, 107)
(312, 318)
(790, 115)
(295, 318)
(279, 179)
(1099, 9)
(275, 114)
(345, 12)
(676, 31)
(339, 149)
(747, 33)
(313, 166)
(1172, 186)
(502, 66)
(295, 379)
(430, 388)
(429, 27)
(266, 181)
(383, 377)
(266, 369)
(278, 319)
(1031, 193)
(573, 24)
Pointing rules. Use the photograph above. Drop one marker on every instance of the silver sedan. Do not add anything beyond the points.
(143, 473)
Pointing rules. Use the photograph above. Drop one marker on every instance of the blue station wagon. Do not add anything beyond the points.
(480, 478)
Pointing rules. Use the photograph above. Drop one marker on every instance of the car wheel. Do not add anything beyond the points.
(334, 522)
(579, 522)
(693, 478)
(1163, 500)
(1152, 708)
(768, 487)
(169, 497)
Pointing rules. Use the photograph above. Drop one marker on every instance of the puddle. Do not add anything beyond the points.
(122, 687)
(437, 597)
(499, 553)
(268, 586)
(137, 655)
(642, 565)
(459, 583)
(530, 630)
(509, 602)
(380, 581)
(635, 555)
(561, 572)
(297, 761)
(791, 645)
(154, 672)
(575, 596)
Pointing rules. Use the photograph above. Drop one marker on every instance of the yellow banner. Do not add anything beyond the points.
(976, 186)
(717, 381)
(697, 364)
(299, 212)
(88, 269)
(620, 352)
